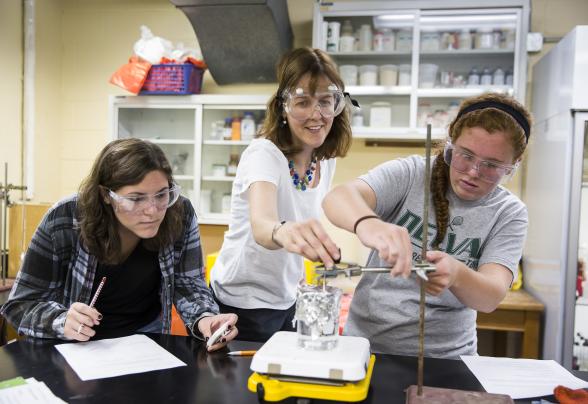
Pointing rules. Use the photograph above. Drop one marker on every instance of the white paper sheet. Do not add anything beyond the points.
(116, 357)
(31, 393)
(521, 378)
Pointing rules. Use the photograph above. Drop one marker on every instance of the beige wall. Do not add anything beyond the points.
(10, 89)
(80, 44)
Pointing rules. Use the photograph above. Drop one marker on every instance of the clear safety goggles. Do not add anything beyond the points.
(463, 161)
(137, 204)
(301, 105)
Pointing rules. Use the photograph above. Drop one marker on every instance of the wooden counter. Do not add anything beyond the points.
(519, 312)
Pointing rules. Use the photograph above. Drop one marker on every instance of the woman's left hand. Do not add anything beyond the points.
(445, 274)
(208, 325)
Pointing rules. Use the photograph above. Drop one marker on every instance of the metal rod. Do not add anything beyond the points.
(4, 224)
(425, 237)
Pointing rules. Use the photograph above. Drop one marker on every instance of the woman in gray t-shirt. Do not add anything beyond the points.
(476, 227)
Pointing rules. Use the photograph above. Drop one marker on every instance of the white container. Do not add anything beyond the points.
(205, 200)
(498, 77)
(381, 115)
(247, 127)
(389, 40)
(219, 170)
(473, 77)
(486, 77)
(388, 75)
(430, 41)
(404, 75)
(348, 74)
(365, 38)
(333, 31)
(404, 40)
(378, 42)
(325, 32)
(347, 43)
(465, 40)
(368, 75)
(484, 39)
(427, 75)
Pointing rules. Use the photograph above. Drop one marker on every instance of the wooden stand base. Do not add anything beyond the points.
(436, 395)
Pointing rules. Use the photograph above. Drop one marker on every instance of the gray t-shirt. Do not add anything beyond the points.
(385, 309)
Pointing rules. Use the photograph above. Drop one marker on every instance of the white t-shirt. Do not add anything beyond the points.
(245, 274)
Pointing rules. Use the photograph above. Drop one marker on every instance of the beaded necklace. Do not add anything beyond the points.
(301, 182)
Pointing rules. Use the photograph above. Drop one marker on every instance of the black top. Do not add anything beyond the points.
(129, 299)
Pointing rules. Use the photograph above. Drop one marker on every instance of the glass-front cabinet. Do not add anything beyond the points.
(202, 136)
(411, 63)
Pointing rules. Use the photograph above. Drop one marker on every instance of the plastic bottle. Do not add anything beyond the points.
(498, 77)
(474, 77)
(236, 129)
(365, 38)
(486, 77)
(508, 78)
(247, 126)
(227, 130)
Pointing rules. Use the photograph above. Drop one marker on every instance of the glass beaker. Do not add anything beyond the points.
(317, 316)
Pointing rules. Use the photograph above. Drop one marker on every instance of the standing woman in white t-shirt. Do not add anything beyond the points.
(281, 180)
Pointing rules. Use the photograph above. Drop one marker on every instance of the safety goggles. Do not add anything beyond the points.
(463, 161)
(301, 105)
(137, 204)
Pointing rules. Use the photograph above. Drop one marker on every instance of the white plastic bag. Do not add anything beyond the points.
(152, 48)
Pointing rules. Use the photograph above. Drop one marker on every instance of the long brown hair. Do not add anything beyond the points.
(490, 119)
(122, 162)
(291, 68)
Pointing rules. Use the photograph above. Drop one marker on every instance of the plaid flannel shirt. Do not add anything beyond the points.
(58, 270)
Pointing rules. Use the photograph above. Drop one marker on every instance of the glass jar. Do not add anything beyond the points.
(219, 170)
(228, 130)
(389, 40)
(404, 40)
(317, 316)
(368, 75)
(430, 41)
(484, 39)
(233, 163)
(465, 40)
(378, 41)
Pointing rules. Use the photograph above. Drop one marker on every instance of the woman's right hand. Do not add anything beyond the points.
(79, 322)
(309, 239)
(391, 241)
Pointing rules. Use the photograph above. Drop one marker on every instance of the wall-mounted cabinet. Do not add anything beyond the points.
(409, 63)
(202, 136)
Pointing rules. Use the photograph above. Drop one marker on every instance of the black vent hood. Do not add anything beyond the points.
(241, 40)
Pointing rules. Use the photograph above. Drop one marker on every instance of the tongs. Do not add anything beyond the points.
(349, 269)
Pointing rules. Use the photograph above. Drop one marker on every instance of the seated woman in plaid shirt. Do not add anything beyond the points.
(128, 223)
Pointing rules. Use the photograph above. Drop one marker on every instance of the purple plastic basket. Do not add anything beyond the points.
(173, 79)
